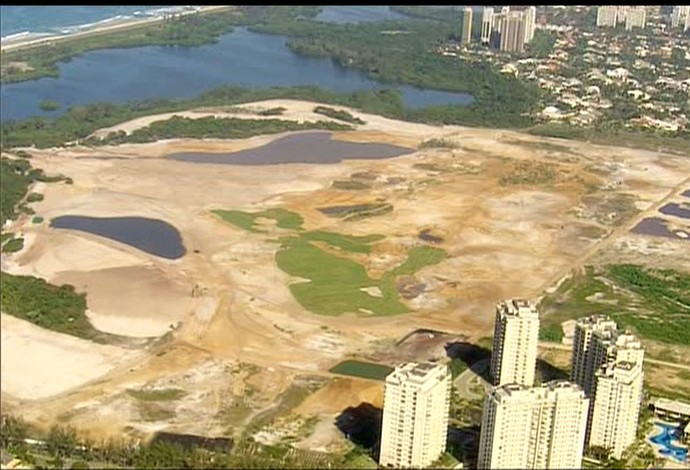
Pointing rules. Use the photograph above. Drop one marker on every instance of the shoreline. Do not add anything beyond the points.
(39, 39)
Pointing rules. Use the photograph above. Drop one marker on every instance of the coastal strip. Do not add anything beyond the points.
(28, 40)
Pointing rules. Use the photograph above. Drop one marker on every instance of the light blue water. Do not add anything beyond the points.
(670, 433)
(53, 19)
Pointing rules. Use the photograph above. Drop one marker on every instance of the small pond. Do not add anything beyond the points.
(306, 147)
(150, 235)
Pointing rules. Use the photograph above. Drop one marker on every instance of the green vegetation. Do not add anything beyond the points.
(191, 30)
(438, 143)
(351, 243)
(37, 219)
(284, 219)
(339, 114)
(528, 172)
(17, 175)
(337, 284)
(357, 211)
(210, 127)
(640, 139)
(49, 105)
(365, 370)
(349, 185)
(13, 245)
(165, 394)
(57, 308)
(272, 111)
(34, 197)
(653, 303)
(541, 46)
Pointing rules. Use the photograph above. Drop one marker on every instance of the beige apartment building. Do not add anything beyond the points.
(533, 428)
(617, 401)
(609, 366)
(516, 338)
(487, 24)
(415, 415)
(513, 32)
(467, 25)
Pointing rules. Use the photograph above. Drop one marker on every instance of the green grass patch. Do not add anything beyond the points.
(6, 236)
(654, 303)
(335, 282)
(13, 245)
(247, 220)
(354, 244)
(165, 394)
(364, 370)
(37, 219)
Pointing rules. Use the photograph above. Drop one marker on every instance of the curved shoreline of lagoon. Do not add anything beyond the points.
(240, 58)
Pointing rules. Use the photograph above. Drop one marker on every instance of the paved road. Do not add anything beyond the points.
(565, 347)
(464, 382)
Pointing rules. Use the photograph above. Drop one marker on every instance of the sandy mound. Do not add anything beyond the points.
(57, 362)
(146, 301)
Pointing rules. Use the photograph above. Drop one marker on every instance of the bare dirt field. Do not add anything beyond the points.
(514, 216)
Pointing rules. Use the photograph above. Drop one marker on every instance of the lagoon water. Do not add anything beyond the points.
(301, 147)
(149, 235)
(240, 58)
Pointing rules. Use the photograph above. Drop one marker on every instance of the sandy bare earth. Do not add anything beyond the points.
(232, 302)
(37, 363)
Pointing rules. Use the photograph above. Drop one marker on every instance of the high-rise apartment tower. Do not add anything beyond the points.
(467, 25)
(540, 427)
(516, 338)
(415, 415)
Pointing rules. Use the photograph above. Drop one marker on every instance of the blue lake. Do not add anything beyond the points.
(149, 235)
(240, 58)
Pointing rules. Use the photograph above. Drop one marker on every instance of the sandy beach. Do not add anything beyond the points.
(36, 39)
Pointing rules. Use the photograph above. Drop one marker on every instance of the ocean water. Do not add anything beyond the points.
(53, 19)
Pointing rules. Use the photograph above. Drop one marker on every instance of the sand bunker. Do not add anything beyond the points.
(56, 362)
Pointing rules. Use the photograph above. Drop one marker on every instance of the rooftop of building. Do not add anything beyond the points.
(517, 307)
(417, 372)
(672, 406)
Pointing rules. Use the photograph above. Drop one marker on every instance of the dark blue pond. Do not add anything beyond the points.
(303, 147)
(240, 58)
(150, 235)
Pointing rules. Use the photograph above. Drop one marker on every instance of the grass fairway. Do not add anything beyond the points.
(247, 220)
(364, 370)
(334, 281)
(655, 304)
